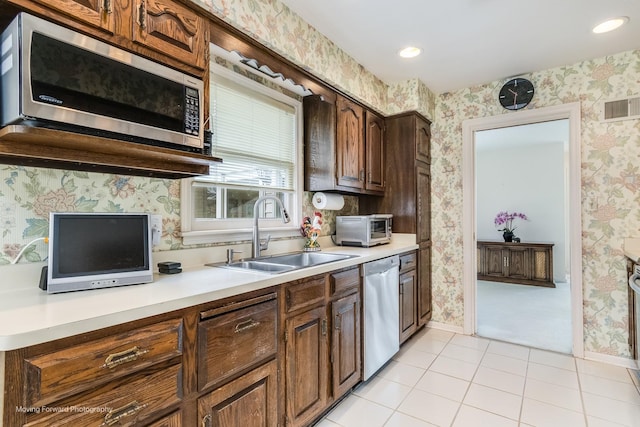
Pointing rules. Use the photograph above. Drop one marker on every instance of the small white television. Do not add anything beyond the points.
(98, 250)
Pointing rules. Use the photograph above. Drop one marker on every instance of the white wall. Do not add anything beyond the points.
(529, 178)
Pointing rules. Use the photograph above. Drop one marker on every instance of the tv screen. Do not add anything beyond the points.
(88, 251)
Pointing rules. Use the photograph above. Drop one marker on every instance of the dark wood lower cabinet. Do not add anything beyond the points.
(408, 296)
(248, 401)
(306, 366)
(345, 352)
(424, 283)
(277, 357)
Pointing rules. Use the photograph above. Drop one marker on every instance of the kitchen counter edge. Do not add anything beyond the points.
(30, 316)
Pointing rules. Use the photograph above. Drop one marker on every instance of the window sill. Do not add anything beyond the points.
(236, 235)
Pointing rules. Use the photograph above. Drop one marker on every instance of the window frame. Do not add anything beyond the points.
(199, 231)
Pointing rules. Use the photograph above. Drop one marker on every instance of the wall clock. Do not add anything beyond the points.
(516, 94)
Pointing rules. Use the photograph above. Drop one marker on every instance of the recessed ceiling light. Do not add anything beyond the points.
(610, 25)
(410, 52)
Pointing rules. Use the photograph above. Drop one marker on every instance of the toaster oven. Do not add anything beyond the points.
(363, 230)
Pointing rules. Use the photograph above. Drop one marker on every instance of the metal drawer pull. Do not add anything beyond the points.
(115, 415)
(247, 324)
(122, 357)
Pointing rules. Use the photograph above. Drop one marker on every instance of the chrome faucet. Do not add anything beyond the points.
(258, 246)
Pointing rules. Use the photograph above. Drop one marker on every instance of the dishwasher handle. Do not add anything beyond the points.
(380, 265)
(632, 282)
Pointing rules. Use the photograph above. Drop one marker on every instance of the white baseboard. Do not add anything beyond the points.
(612, 360)
(445, 327)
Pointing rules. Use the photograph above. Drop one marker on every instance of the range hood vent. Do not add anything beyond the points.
(621, 109)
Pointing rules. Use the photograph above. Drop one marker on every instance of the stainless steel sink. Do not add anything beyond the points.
(267, 267)
(288, 262)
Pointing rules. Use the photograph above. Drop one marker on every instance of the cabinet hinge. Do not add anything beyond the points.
(286, 336)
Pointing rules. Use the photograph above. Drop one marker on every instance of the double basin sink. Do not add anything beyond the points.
(288, 262)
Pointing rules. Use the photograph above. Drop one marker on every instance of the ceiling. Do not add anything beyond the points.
(470, 42)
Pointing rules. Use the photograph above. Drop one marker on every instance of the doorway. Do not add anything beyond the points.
(570, 112)
(523, 287)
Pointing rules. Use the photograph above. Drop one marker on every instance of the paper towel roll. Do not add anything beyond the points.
(330, 202)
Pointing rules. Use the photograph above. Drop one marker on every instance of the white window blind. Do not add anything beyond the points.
(254, 135)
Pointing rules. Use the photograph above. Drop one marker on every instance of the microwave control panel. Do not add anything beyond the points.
(191, 111)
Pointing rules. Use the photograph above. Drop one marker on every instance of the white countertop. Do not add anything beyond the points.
(30, 316)
(632, 249)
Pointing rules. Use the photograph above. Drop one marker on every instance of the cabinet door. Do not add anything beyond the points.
(306, 366)
(249, 401)
(173, 420)
(97, 13)
(408, 305)
(345, 342)
(374, 135)
(494, 261)
(349, 144)
(542, 264)
(171, 29)
(517, 263)
(424, 283)
(423, 141)
(423, 195)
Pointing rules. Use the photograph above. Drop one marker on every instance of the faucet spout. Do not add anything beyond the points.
(257, 245)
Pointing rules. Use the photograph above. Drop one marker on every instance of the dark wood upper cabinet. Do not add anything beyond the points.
(423, 139)
(344, 147)
(96, 13)
(408, 193)
(374, 146)
(170, 28)
(350, 144)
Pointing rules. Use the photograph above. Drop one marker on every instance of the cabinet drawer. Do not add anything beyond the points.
(408, 261)
(63, 373)
(344, 281)
(124, 402)
(230, 343)
(304, 293)
(173, 420)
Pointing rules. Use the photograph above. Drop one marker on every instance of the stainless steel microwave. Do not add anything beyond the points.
(363, 230)
(57, 78)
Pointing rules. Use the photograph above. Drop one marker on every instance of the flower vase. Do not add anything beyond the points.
(311, 243)
(508, 236)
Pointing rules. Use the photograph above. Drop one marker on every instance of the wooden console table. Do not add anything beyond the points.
(521, 263)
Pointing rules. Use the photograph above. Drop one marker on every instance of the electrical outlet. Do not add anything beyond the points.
(156, 229)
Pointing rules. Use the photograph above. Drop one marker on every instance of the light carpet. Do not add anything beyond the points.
(529, 315)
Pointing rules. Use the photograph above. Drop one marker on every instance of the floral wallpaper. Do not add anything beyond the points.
(610, 177)
(28, 195)
(610, 172)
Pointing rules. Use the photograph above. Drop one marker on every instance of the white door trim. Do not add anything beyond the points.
(569, 111)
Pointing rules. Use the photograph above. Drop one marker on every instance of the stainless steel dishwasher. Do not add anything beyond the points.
(381, 306)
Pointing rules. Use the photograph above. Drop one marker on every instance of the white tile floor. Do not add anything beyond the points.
(443, 379)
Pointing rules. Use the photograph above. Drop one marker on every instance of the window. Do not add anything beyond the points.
(256, 131)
